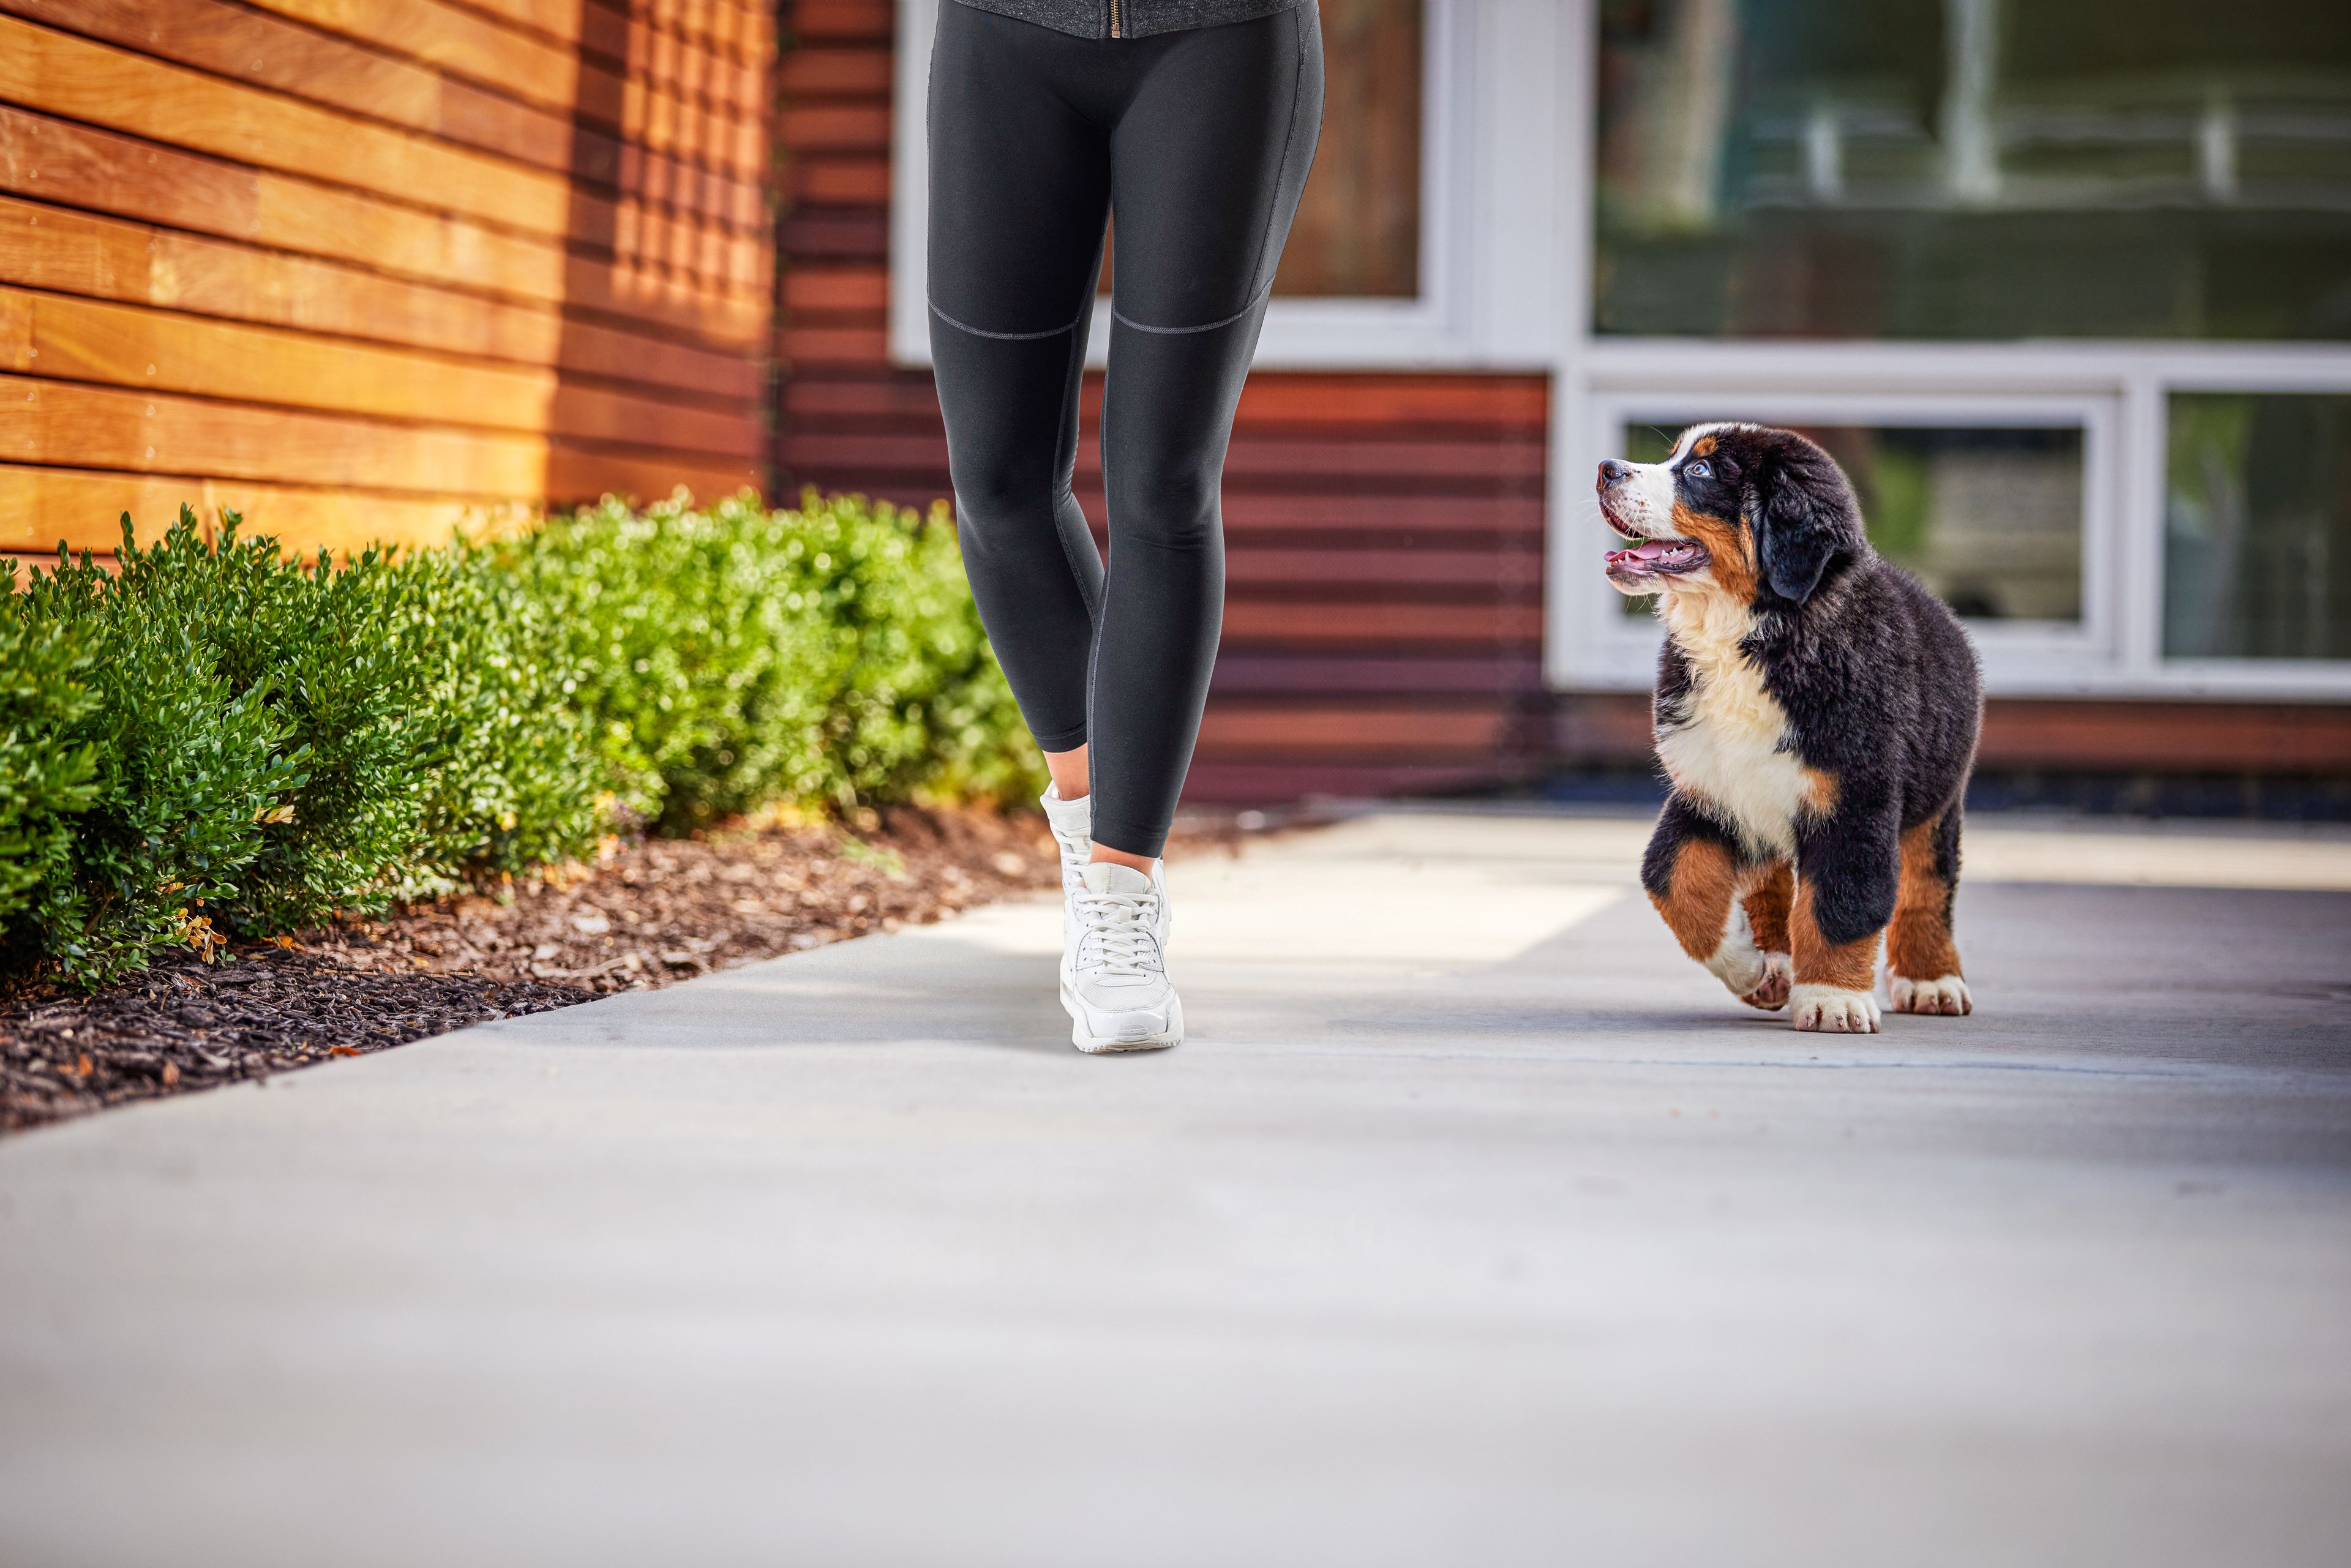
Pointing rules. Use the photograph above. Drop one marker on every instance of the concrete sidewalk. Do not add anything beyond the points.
(1474, 1226)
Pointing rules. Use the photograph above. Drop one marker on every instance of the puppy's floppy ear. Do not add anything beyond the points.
(1805, 515)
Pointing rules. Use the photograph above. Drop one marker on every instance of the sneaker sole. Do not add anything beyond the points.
(1112, 1045)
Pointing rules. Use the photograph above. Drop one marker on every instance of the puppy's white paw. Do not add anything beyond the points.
(1740, 969)
(1737, 962)
(1832, 1009)
(1771, 992)
(1947, 996)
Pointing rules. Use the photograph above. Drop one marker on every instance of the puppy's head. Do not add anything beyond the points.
(1757, 514)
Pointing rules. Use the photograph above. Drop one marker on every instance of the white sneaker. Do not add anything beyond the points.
(1114, 984)
(1072, 822)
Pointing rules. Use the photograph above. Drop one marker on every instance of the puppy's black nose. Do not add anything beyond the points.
(1614, 472)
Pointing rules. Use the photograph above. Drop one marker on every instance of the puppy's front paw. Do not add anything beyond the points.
(1947, 996)
(1832, 1009)
(1738, 965)
(1771, 992)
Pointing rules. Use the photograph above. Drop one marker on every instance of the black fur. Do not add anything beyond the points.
(1804, 514)
(1878, 680)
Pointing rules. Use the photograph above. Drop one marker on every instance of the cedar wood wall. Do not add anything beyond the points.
(359, 267)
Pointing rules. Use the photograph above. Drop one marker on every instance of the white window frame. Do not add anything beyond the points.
(2117, 389)
(1492, 237)
(2017, 655)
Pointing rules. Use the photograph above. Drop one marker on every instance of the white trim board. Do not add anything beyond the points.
(2019, 656)
(1492, 234)
(2115, 391)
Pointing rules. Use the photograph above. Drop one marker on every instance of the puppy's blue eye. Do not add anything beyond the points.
(1698, 470)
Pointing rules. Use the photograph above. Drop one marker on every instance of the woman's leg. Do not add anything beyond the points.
(1207, 161)
(1019, 189)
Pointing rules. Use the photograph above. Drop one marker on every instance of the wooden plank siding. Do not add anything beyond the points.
(2215, 736)
(361, 268)
(1385, 533)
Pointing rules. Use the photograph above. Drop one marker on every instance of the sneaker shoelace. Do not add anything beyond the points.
(1118, 928)
(1075, 848)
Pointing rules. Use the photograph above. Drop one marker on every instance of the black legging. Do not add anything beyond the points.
(1198, 141)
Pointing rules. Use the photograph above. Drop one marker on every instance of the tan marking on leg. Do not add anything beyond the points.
(1849, 966)
(1730, 562)
(1918, 944)
(1922, 961)
(1820, 791)
(1769, 889)
(1699, 890)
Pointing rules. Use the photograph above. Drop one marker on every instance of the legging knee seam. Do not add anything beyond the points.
(1005, 337)
(1125, 320)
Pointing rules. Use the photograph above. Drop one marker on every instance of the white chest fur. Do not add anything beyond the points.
(1727, 749)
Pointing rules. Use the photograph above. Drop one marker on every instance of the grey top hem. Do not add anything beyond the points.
(1137, 18)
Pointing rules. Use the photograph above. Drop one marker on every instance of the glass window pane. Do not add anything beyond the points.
(1954, 169)
(2257, 528)
(1357, 235)
(1991, 519)
(1358, 228)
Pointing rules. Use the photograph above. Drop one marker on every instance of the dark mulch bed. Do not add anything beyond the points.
(648, 915)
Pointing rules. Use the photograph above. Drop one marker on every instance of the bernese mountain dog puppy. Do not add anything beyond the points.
(1816, 712)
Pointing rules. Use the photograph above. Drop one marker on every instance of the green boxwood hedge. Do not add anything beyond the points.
(214, 742)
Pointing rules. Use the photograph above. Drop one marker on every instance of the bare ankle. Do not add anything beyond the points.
(1104, 855)
(1071, 778)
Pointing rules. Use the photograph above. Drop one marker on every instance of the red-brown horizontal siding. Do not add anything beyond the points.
(2068, 734)
(2202, 736)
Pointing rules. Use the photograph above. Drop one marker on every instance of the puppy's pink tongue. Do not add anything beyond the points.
(1649, 551)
